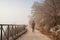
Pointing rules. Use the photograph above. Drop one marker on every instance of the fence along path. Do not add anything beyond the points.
(12, 31)
(33, 35)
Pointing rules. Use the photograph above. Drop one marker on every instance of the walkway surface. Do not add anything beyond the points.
(33, 35)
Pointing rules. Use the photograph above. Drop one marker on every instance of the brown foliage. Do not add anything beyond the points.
(46, 17)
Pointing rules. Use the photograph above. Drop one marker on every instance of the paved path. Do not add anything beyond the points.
(33, 35)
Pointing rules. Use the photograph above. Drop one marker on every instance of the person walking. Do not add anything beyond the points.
(33, 26)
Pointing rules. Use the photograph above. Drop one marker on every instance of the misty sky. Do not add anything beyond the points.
(15, 11)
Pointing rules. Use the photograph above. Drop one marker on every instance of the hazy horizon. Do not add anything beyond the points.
(15, 11)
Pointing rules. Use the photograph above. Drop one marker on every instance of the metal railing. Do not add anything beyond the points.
(11, 31)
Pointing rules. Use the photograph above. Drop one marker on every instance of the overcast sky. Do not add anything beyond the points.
(15, 11)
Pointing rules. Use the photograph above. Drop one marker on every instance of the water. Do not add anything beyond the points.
(4, 30)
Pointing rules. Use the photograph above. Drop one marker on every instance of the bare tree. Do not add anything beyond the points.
(46, 15)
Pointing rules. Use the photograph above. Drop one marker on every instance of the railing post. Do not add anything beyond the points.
(1, 31)
(8, 33)
(15, 30)
(12, 32)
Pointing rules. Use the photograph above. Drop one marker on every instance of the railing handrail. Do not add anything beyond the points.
(10, 24)
(8, 28)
